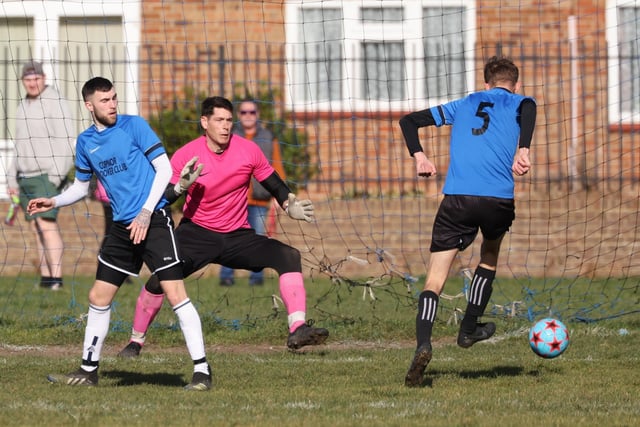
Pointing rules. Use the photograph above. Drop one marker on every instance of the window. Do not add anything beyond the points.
(383, 71)
(319, 72)
(444, 52)
(372, 55)
(623, 34)
(72, 41)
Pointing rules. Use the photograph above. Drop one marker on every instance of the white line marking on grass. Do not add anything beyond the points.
(302, 405)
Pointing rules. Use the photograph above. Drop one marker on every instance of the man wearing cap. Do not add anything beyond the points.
(45, 146)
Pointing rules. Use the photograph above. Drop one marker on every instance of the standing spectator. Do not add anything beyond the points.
(44, 144)
(259, 199)
(132, 165)
(490, 138)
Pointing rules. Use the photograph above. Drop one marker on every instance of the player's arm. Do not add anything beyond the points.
(277, 187)
(76, 191)
(140, 224)
(528, 113)
(190, 172)
(296, 209)
(410, 125)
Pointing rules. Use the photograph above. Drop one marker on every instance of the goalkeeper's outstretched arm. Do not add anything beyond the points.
(277, 187)
(190, 172)
(296, 209)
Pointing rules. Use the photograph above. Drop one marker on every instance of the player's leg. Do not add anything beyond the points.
(439, 265)
(116, 261)
(101, 296)
(247, 250)
(495, 217)
(162, 257)
(148, 305)
(198, 247)
(452, 232)
(479, 294)
(191, 327)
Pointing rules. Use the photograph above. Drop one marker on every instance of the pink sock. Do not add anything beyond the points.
(295, 298)
(147, 306)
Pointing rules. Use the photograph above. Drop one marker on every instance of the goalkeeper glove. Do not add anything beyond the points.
(299, 209)
(188, 176)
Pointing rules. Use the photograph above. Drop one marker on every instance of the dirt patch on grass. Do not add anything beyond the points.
(111, 350)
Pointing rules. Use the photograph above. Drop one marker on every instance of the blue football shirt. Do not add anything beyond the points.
(484, 139)
(121, 157)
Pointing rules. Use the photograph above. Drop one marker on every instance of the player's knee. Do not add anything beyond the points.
(289, 260)
(175, 291)
(100, 296)
(153, 285)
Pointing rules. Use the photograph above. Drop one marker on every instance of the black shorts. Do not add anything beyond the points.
(239, 249)
(120, 258)
(459, 218)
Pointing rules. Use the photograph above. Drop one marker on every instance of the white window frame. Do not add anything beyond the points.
(46, 19)
(615, 115)
(409, 32)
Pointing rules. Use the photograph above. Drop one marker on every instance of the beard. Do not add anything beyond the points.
(105, 120)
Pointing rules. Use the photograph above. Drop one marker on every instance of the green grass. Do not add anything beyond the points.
(354, 380)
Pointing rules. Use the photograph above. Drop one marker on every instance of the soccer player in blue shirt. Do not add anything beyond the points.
(490, 138)
(132, 165)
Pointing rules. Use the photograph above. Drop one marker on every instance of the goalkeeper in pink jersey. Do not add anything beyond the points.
(215, 229)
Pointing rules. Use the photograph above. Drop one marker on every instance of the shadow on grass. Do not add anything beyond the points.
(130, 378)
(495, 372)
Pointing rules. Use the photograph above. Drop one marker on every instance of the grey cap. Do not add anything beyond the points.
(32, 68)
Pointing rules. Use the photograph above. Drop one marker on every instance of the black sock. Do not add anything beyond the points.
(55, 280)
(427, 308)
(479, 294)
(46, 281)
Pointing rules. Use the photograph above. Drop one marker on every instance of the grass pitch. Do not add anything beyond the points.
(356, 379)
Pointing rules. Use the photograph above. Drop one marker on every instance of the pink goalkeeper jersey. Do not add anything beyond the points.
(218, 199)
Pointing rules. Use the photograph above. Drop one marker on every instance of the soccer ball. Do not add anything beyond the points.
(548, 338)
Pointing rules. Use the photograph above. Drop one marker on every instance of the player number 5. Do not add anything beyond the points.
(484, 116)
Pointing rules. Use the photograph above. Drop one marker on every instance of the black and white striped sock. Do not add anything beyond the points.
(479, 295)
(427, 309)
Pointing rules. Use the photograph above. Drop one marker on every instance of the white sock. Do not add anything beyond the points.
(94, 335)
(192, 331)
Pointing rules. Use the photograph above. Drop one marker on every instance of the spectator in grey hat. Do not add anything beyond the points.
(45, 146)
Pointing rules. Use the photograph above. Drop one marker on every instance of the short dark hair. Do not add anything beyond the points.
(500, 69)
(215, 102)
(251, 100)
(96, 84)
